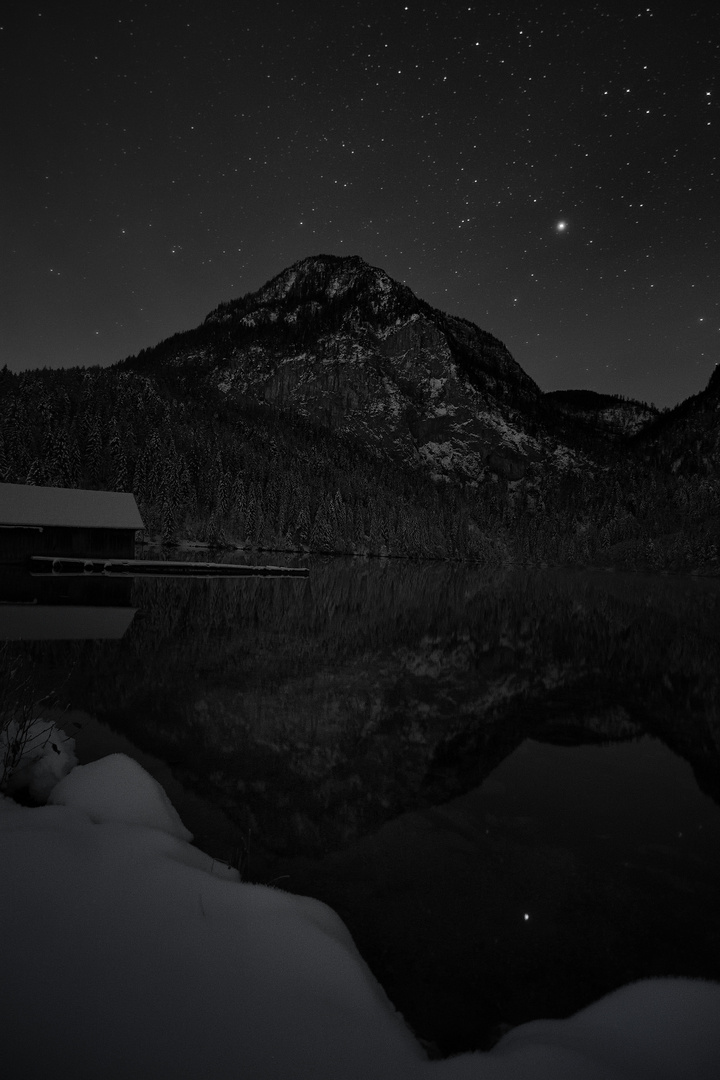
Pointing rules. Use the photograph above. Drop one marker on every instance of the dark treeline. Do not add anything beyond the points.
(203, 468)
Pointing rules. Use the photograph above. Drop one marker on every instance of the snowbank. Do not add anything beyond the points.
(116, 788)
(127, 953)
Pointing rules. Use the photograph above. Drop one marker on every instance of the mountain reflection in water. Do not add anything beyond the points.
(527, 762)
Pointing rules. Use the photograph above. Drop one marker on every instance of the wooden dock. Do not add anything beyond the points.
(66, 565)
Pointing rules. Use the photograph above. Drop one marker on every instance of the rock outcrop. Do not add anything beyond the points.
(608, 413)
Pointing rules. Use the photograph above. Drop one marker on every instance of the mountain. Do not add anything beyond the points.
(320, 412)
(608, 413)
(686, 440)
(339, 342)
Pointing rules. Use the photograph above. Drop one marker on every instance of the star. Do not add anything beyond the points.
(230, 160)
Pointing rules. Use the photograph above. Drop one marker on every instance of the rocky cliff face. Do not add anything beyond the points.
(340, 342)
(606, 413)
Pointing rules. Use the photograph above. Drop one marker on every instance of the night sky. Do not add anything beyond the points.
(548, 170)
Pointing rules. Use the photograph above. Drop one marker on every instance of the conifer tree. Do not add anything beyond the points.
(94, 455)
(4, 463)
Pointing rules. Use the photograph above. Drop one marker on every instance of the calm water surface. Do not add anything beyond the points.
(507, 784)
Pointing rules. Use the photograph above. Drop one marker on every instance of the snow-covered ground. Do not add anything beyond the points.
(127, 953)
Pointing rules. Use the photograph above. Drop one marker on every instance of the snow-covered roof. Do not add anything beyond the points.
(26, 504)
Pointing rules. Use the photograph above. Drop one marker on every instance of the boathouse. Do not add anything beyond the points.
(66, 521)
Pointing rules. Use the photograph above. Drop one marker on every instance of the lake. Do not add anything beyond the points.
(506, 783)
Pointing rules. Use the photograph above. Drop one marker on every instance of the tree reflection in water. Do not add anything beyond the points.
(368, 731)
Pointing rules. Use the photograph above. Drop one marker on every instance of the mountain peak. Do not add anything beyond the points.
(713, 386)
(322, 280)
(322, 296)
(341, 343)
(333, 275)
(338, 340)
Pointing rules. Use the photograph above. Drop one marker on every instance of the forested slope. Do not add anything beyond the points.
(209, 469)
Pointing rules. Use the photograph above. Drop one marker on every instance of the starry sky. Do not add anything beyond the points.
(547, 170)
